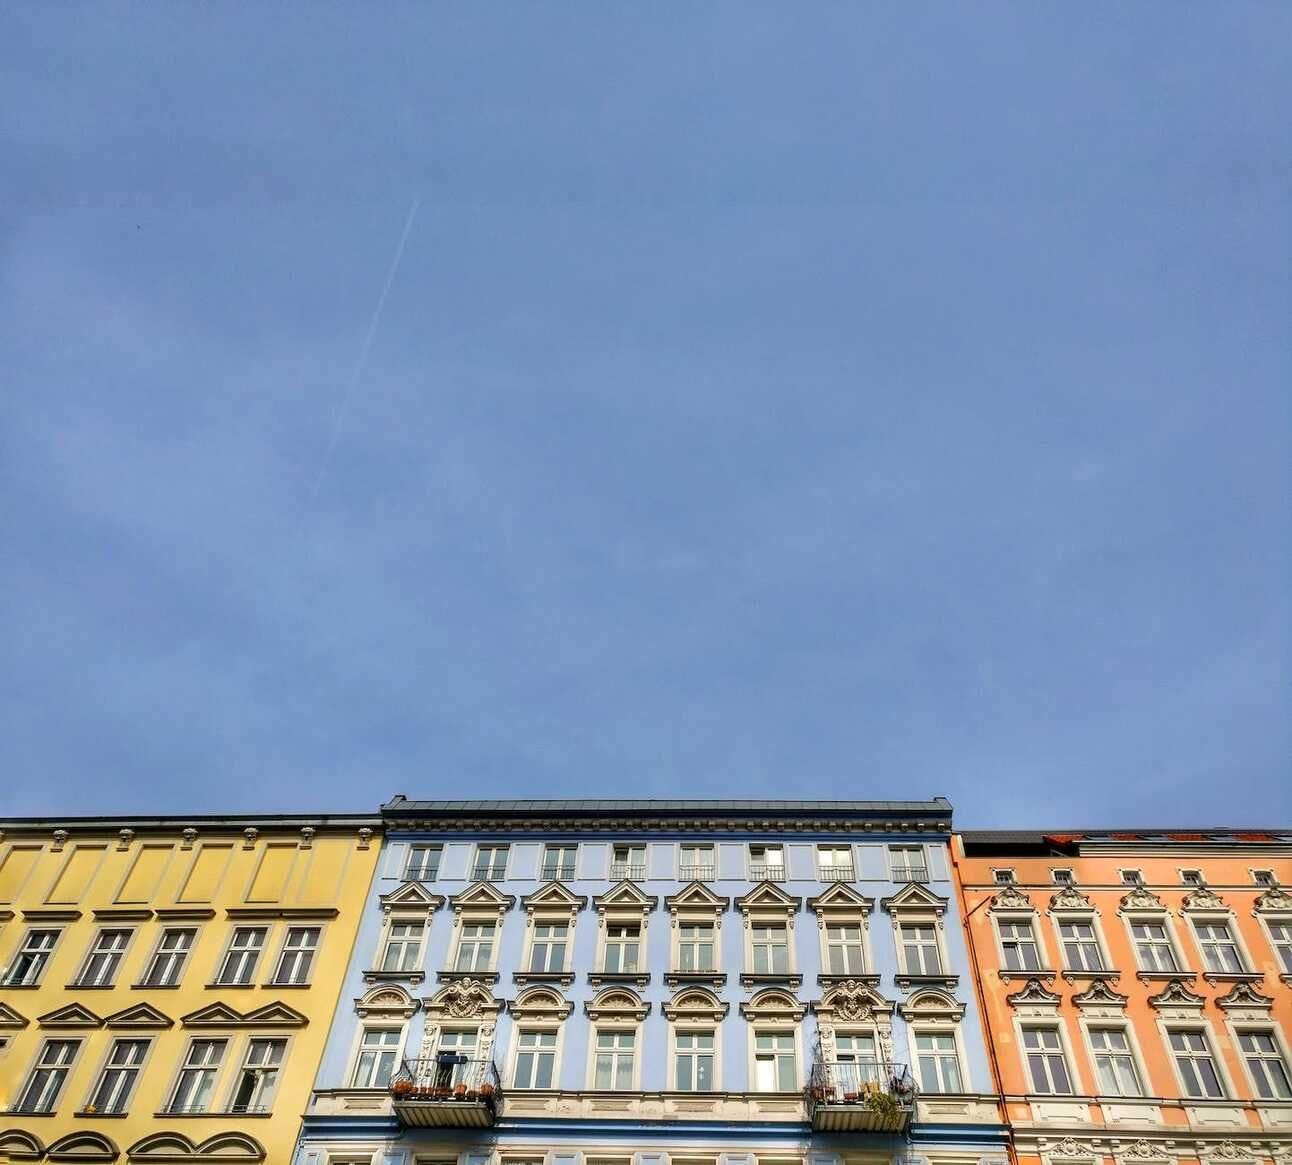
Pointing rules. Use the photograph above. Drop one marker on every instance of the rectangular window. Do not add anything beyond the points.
(423, 863)
(696, 863)
(1219, 951)
(623, 941)
(548, 951)
(1080, 947)
(1018, 943)
(695, 947)
(1263, 877)
(258, 1080)
(105, 956)
(1197, 1068)
(1191, 877)
(855, 1062)
(458, 1046)
(375, 1064)
(1061, 876)
(29, 963)
(1003, 877)
(939, 1062)
(403, 947)
(628, 861)
(775, 1069)
(1281, 937)
(1153, 947)
(907, 863)
(168, 960)
(535, 1059)
(920, 949)
(844, 951)
(558, 862)
(197, 1077)
(767, 863)
(491, 863)
(298, 955)
(1045, 1061)
(475, 947)
(242, 956)
(614, 1060)
(117, 1081)
(1265, 1063)
(1114, 1064)
(693, 1065)
(771, 949)
(1132, 877)
(48, 1076)
(834, 863)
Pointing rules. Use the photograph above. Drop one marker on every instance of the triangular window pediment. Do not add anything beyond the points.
(73, 1015)
(554, 896)
(411, 896)
(914, 897)
(841, 897)
(141, 1015)
(275, 1014)
(482, 896)
(86, 1146)
(696, 896)
(11, 1020)
(625, 896)
(768, 896)
(212, 1015)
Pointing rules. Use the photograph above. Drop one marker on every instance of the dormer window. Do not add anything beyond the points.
(1061, 877)
(1003, 877)
(1191, 877)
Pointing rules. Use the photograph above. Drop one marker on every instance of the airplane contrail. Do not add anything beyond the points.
(363, 351)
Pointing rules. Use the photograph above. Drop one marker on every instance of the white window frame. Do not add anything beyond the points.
(1164, 919)
(1053, 1023)
(823, 869)
(1060, 918)
(619, 1028)
(312, 952)
(771, 1027)
(528, 1027)
(116, 957)
(49, 952)
(218, 1071)
(1284, 921)
(896, 869)
(477, 864)
(261, 1105)
(218, 979)
(157, 954)
(699, 847)
(916, 1029)
(831, 919)
(1167, 1025)
(675, 958)
(603, 947)
(1122, 1024)
(627, 863)
(757, 921)
(389, 939)
(106, 1066)
(769, 869)
(1230, 923)
(414, 872)
(559, 875)
(938, 941)
(690, 1029)
(78, 1046)
(1002, 919)
(492, 920)
(533, 939)
(357, 1049)
(1238, 1028)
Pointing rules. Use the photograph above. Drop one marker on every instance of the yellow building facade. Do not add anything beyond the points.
(167, 986)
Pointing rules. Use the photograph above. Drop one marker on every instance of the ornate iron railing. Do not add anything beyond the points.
(447, 1077)
(872, 1094)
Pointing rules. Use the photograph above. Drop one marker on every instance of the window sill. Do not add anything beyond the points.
(230, 986)
(155, 986)
(563, 978)
(286, 986)
(1013, 975)
(490, 977)
(107, 1116)
(90, 987)
(1233, 976)
(950, 982)
(223, 1114)
(20, 986)
(693, 978)
(759, 979)
(1074, 976)
(830, 979)
(632, 978)
(376, 976)
(1166, 976)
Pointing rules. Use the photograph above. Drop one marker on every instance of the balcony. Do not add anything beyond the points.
(767, 872)
(910, 873)
(861, 1096)
(449, 1091)
(557, 871)
(630, 871)
(489, 874)
(838, 874)
(696, 873)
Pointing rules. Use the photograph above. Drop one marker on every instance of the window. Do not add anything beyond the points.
(614, 1060)
(423, 863)
(1132, 877)
(375, 1064)
(491, 863)
(117, 1082)
(197, 1077)
(1061, 876)
(240, 960)
(907, 863)
(628, 861)
(696, 863)
(1045, 1061)
(695, 946)
(1219, 951)
(844, 952)
(535, 1059)
(298, 955)
(1265, 1063)
(693, 1061)
(771, 949)
(855, 1061)
(258, 1080)
(403, 947)
(1003, 877)
(1193, 1059)
(48, 1076)
(623, 940)
(475, 947)
(1191, 877)
(1018, 943)
(1080, 947)
(938, 1060)
(548, 951)
(1263, 877)
(835, 863)
(1114, 1064)
(767, 863)
(558, 862)
(105, 957)
(454, 1043)
(1281, 937)
(1153, 947)
(29, 963)
(168, 960)
(920, 949)
(775, 1069)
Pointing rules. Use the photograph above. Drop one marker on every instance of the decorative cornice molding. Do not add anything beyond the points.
(626, 897)
(773, 1003)
(1275, 900)
(463, 999)
(540, 1003)
(1099, 994)
(1203, 898)
(841, 898)
(1176, 994)
(1069, 897)
(1033, 992)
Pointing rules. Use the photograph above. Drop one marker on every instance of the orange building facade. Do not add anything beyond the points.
(1136, 989)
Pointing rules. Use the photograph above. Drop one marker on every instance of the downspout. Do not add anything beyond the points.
(990, 1040)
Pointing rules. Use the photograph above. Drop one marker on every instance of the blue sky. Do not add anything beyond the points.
(827, 400)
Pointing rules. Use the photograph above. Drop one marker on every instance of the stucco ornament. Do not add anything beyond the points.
(1276, 898)
(852, 1001)
(1204, 898)
(1142, 898)
(467, 999)
(1070, 898)
(1011, 898)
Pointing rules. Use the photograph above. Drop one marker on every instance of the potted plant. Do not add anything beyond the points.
(402, 1088)
(850, 1098)
(882, 1104)
(460, 1092)
(472, 1094)
(486, 1091)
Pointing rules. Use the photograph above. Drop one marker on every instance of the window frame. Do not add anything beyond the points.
(1163, 918)
(938, 946)
(481, 873)
(917, 1029)
(1056, 1024)
(528, 1027)
(157, 953)
(106, 1066)
(218, 1071)
(557, 871)
(628, 865)
(77, 1045)
(1265, 1027)
(1227, 920)
(1064, 917)
(1283, 921)
(277, 980)
(48, 956)
(1002, 919)
(388, 939)
(383, 1024)
(776, 1027)
(1201, 1027)
(241, 1066)
(614, 1027)
(92, 952)
(690, 1030)
(413, 872)
(897, 870)
(824, 872)
(760, 869)
(698, 868)
(218, 979)
(491, 920)
(1091, 1023)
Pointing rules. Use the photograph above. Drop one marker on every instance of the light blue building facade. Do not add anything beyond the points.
(658, 983)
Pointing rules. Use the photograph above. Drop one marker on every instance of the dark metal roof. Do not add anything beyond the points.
(210, 821)
(938, 809)
(1069, 839)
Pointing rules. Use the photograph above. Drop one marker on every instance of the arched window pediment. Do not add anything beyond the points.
(773, 1004)
(696, 1004)
(617, 1003)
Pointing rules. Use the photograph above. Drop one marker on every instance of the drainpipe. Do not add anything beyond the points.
(965, 914)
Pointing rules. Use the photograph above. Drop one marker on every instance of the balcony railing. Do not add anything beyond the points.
(422, 873)
(702, 872)
(860, 1096)
(767, 872)
(633, 871)
(489, 873)
(838, 874)
(558, 872)
(910, 873)
(448, 1091)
